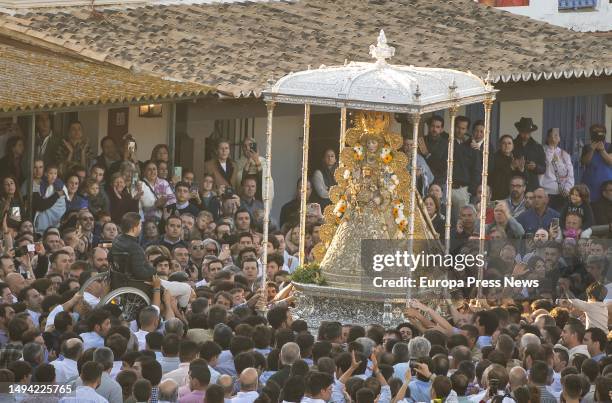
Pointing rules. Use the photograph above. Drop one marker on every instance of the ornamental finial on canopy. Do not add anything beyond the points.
(382, 51)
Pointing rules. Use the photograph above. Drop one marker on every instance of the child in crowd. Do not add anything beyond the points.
(579, 203)
(50, 202)
(97, 199)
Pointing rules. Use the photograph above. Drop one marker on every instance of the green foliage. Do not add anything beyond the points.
(309, 274)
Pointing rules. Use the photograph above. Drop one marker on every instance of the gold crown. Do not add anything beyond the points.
(373, 123)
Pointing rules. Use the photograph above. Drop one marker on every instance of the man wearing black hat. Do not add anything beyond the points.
(529, 153)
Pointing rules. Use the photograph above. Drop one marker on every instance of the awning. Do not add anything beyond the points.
(36, 79)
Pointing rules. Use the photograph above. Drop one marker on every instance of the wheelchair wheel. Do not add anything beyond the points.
(130, 299)
(102, 276)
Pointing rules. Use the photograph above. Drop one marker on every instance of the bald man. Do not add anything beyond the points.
(248, 387)
(66, 369)
(227, 383)
(16, 282)
(517, 377)
(99, 259)
(168, 391)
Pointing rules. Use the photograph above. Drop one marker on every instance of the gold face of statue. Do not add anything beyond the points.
(372, 145)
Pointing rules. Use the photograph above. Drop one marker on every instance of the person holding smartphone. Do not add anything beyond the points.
(597, 161)
(540, 215)
(11, 201)
(253, 164)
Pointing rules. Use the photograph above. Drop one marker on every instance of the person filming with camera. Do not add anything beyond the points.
(597, 161)
(253, 165)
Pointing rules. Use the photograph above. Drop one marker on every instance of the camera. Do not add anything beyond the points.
(253, 147)
(23, 250)
(598, 134)
(228, 193)
(413, 367)
(105, 244)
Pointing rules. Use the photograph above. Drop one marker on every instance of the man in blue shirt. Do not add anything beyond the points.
(539, 215)
(595, 340)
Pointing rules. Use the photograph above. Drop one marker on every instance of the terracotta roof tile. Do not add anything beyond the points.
(239, 46)
(34, 78)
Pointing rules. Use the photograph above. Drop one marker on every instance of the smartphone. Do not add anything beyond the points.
(134, 181)
(554, 222)
(15, 213)
(131, 146)
(178, 171)
(105, 245)
(31, 247)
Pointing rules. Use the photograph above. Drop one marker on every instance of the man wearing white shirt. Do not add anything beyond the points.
(188, 351)
(91, 373)
(248, 387)
(99, 325)
(560, 362)
(572, 335)
(32, 299)
(118, 345)
(291, 262)
(67, 368)
(318, 388)
(149, 320)
(94, 291)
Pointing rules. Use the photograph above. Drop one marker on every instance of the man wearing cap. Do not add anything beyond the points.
(526, 148)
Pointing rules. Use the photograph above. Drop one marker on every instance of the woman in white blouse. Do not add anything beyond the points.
(156, 193)
(559, 176)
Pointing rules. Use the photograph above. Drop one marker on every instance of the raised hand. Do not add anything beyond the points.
(68, 146)
(354, 362)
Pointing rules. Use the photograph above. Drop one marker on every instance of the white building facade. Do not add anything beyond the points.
(577, 15)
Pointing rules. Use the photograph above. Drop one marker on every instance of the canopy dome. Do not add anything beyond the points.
(381, 86)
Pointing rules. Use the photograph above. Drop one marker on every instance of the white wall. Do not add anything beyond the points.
(512, 111)
(286, 141)
(148, 131)
(91, 122)
(585, 20)
(286, 156)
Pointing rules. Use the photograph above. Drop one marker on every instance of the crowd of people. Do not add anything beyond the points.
(216, 331)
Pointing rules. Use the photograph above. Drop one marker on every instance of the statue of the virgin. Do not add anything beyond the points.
(370, 201)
